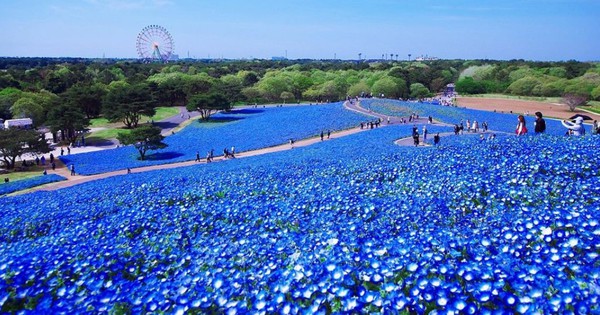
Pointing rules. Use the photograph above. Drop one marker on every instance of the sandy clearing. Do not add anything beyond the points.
(549, 110)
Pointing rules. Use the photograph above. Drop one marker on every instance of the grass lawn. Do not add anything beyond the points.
(161, 113)
(113, 129)
(32, 171)
(593, 106)
(100, 136)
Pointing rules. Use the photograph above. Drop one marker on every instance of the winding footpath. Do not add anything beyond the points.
(172, 122)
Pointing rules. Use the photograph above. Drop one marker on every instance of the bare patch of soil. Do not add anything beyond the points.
(549, 110)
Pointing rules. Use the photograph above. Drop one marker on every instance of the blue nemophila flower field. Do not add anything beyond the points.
(355, 224)
(246, 129)
(504, 122)
(11, 187)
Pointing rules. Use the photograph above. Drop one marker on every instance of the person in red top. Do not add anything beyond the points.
(521, 127)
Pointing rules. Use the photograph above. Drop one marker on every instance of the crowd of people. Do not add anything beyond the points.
(473, 127)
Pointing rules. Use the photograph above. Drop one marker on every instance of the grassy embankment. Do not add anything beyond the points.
(110, 132)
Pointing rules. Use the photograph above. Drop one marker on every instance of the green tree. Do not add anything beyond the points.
(418, 90)
(87, 97)
(272, 85)
(8, 97)
(28, 107)
(16, 142)
(389, 86)
(208, 104)
(358, 88)
(127, 103)
(231, 88)
(286, 96)
(524, 86)
(468, 85)
(68, 119)
(251, 93)
(596, 93)
(144, 139)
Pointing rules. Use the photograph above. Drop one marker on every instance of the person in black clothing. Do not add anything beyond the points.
(540, 123)
(436, 139)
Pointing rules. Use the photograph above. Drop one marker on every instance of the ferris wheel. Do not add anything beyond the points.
(154, 43)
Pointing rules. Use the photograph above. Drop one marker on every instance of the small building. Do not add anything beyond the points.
(23, 123)
(450, 90)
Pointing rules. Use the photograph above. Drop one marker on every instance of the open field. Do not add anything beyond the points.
(503, 105)
(110, 130)
(354, 224)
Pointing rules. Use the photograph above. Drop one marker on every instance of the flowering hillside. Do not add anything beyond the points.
(246, 129)
(350, 225)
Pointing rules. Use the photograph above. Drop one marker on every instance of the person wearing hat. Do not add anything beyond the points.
(576, 128)
(540, 123)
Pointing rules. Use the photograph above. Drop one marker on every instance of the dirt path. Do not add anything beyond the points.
(500, 105)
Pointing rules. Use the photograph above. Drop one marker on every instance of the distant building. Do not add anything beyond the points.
(278, 58)
(426, 58)
(24, 123)
(450, 89)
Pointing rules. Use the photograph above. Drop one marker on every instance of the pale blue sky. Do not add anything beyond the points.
(460, 29)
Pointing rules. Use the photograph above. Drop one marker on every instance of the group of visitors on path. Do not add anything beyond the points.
(470, 127)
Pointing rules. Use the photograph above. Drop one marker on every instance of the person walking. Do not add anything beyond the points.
(540, 123)
(197, 156)
(72, 169)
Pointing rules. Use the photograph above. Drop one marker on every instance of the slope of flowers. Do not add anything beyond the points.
(348, 225)
(246, 129)
(23, 184)
(504, 122)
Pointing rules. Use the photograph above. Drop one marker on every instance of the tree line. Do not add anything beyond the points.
(64, 94)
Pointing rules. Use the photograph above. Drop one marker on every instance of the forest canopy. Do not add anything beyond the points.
(43, 87)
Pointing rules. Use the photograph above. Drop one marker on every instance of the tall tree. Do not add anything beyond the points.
(208, 104)
(87, 97)
(127, 103)
(68, 119)
(144, 139)
(16, 142)
(8, 97)
(418, 90)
